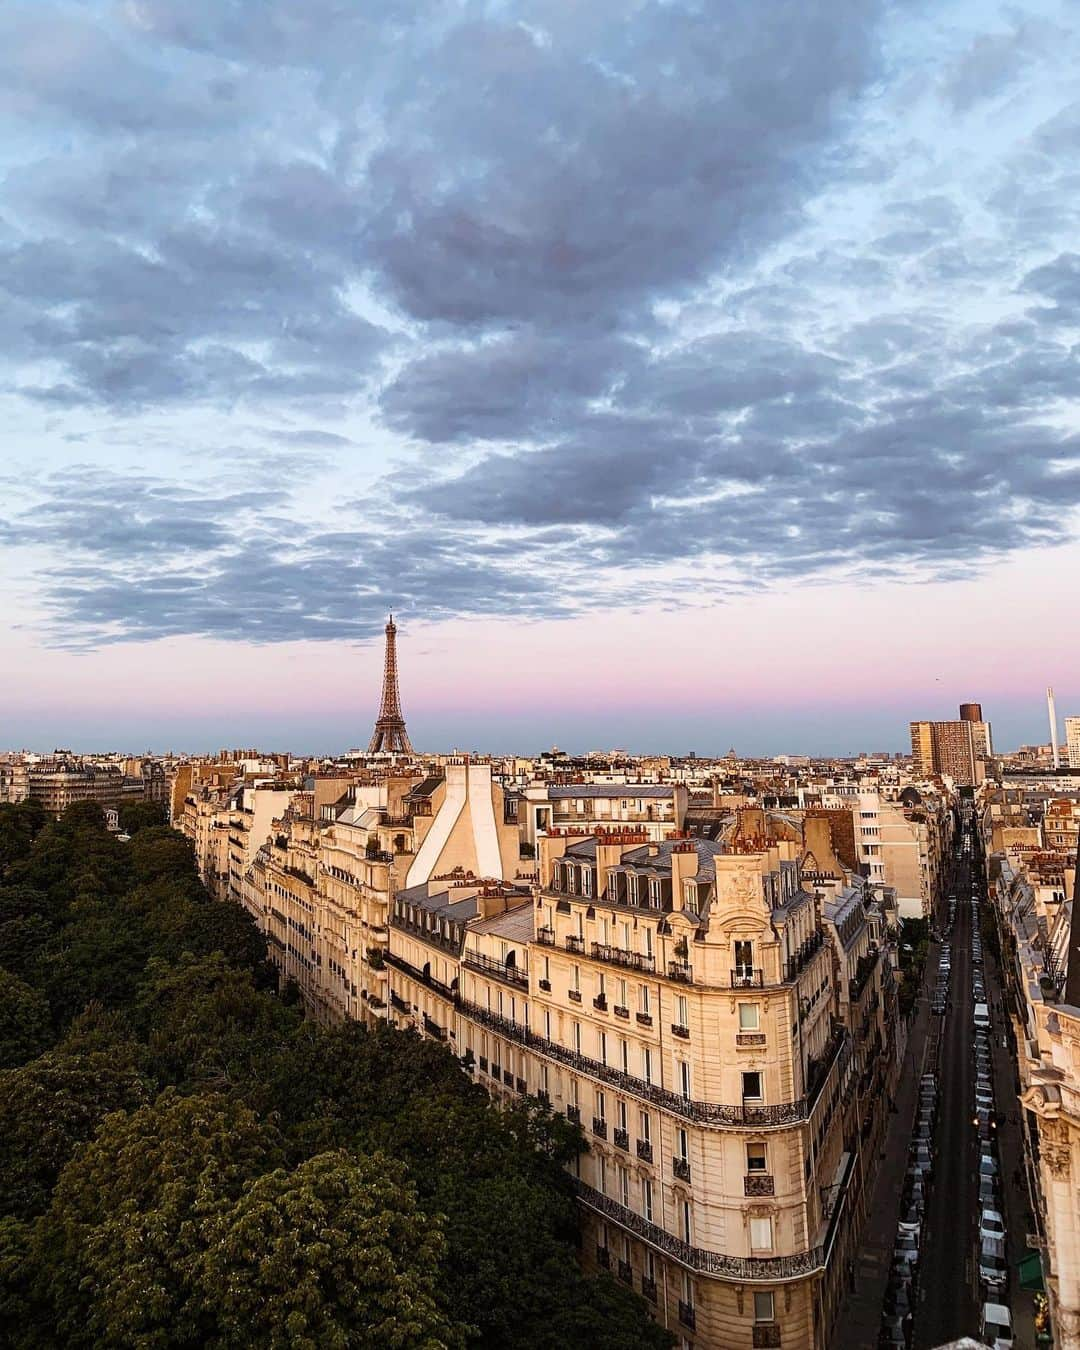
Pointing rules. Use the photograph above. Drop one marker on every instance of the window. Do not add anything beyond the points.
(623, 994)
(654, 894)
(601, 1046)
(624, 1055)
(756, 1158)
(601, 1106)
(575, 978)
(625, 927)
(744, 958)
(621, 1110)
(643, 999)
(682, 1143)
(586, 881)
(687, 1290)
(687, 1224)
(577, 1039)
(646, 1064)
(601, 1174)
(547, 969)
(684, 1078)
(647, 941)
(649, 1264)
(646, 1198)
(547, 1024)
(761, 1235)
(682, 1010)
(748, 1017)
(600, 984)
(763, 1306)
(751, 1087)
(646, 1126)
(624, 1187)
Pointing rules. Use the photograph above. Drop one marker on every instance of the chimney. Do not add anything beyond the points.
(684, 867)
(1051, 709)
(550, 847)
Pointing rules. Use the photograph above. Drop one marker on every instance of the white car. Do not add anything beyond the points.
(997, 1326)
(991, 1225)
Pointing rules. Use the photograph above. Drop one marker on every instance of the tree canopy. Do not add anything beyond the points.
(185, 1161)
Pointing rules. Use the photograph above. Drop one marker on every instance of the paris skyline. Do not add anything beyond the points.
(721, 391)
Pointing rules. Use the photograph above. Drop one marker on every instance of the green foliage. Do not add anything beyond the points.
(136, 816)
(51, 1105)
(335, 1253)
(193, 1164)
(25, 1027)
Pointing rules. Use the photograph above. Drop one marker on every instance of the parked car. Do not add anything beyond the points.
(995, 1326)
(993, 1266)
(991, 1224)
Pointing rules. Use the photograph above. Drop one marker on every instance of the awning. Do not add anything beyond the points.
(1030, 1272)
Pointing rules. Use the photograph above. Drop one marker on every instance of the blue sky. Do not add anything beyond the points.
(680, 374)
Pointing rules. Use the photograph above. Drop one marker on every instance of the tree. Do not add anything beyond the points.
(136, 816)
(205, 1022)
(335, 1253)
(25, 1026)
(51, 1105)
(119, 1252)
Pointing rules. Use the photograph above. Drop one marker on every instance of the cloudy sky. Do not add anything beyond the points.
(682, 374)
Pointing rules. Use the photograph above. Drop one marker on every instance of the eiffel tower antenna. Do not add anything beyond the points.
(390, 735)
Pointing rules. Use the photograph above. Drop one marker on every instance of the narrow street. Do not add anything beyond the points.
(947, 1306)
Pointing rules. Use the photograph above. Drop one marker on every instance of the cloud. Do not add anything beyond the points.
(605, 301)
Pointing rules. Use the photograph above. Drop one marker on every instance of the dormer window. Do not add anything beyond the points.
(655, 898)
(586, 881)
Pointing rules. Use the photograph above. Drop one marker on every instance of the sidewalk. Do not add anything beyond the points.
(860, 1321)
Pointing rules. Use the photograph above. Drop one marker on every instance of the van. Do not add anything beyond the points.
(982, 1015)
(996, 1326)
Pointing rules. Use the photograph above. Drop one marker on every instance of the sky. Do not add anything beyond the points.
(682, 375)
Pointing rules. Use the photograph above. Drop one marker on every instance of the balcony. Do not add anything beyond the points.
(758, 1183)
(747, 977)
(622, 1012)
(680, 1167)
(625, 1272)
(545, 985)
(546, 937)
(648, 1288)
(677, 1029)
(621, 1139)
(574, 995)
(794, 965)
(863, 970)
(575, 944)
(603, 1257)
(836, 1058)
(687, 1315)
(750, 1040)
(501, 970)
(508, 1077)
(644, 1019)
(681, 971)
(766, 1335)
(599, 1127)
(600, 1003)
(433, 1029)
(622, 956)
(574, 1113)
(644, 1150)
(399, 1003)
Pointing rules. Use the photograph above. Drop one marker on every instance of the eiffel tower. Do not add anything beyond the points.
(390, 735)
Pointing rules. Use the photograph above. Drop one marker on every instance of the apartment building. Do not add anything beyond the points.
(1041, 971)
(955, 750)
(656, 809)
(319, 876)
(1072, 742)
(719, 1031)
